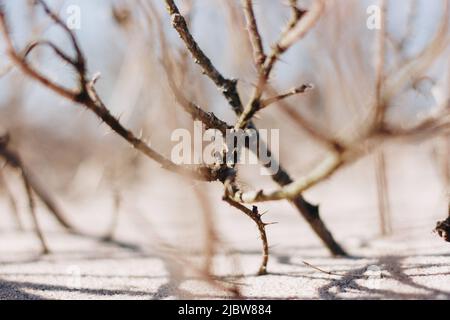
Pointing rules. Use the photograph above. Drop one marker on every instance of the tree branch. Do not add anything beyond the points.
(300, 29)
(87, 96)
(296, 91)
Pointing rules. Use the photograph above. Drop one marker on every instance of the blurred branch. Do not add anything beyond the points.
(311, 129)
(281, 177)
(196, 113)
(31, 184)
(382, 181)
(443, 227)
(31, 205)
(256, 217)
(415, 66)
(322, 171)
(254, 35)
(12, 201)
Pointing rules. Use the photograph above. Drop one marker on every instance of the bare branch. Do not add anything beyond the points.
(296, 91)
(226, 86)
(380, 105)
(300, 29)
(57, 51)
(13, 159)
(12, 201)
(196, 113)
(256, 217)
(312, 130)
(31, 204)
(308, 211)
(323, 170)
(417, 65)
(87, 96)
(254, 35)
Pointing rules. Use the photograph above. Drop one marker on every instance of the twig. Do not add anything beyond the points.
(222, 126)
(117, 204)
(380, 104)
(87, 96)
(383, 193)
(211, 237)
(306, 23)
(308, 211)
(12, 202)
(254, 35)
(443, 227)
(324, 170)
(12, 158)
(207, 118)
(321, 270)
(226, 86)
(332, 273)
(256, 217)
(312, 130)
(296, 91)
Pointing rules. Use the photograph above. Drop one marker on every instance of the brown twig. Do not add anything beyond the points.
(87, 96)
(311, 129)
(380, 105)
(296, 91)
(383, 193)
(226, 86)
(304, 25)
(12, 159)
(12, 202)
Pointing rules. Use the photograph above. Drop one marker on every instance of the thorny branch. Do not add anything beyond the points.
(226, 86)
(300, 24)
(88, 97)
(296, 30)
(282, 178)
(254, 35)
(32, 186)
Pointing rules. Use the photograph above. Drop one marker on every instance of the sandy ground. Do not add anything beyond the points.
(412, 263)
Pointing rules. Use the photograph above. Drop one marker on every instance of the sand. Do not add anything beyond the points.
(410, 263)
